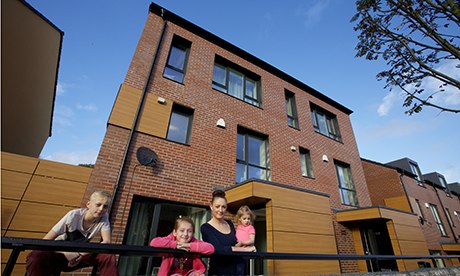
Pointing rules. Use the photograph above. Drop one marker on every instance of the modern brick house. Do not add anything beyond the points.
(400, 184)
(196, 113)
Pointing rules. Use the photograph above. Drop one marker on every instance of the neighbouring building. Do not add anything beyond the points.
(401, 185)
(35, 193)
(196, 113)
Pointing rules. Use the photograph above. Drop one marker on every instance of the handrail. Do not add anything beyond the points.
(21, 244)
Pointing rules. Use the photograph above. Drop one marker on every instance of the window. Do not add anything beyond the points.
(437, 261)
(419, 209)
(177, 59)
(442, 180)
(416, 171)
(291, 109)
(437, 219)
(449, 218)
(236, 83)
(252, 156)
(346, 186)
(305, 162)
(325, 123)
(180, 124)
(148, 218)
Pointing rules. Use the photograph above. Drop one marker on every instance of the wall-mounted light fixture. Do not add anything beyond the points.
(455, 213)
(293, 148)
(161, 100)
(325, 158)
(427, 205)
(221, 123)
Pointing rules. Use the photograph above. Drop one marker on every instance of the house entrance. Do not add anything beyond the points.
(376, 241)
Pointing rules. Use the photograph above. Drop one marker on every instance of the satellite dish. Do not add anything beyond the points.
(147, 157)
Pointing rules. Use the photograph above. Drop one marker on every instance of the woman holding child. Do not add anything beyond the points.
(222, 235)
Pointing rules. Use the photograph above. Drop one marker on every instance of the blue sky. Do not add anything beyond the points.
(312, 41)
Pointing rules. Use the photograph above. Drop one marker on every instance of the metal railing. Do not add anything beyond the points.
(20, 244)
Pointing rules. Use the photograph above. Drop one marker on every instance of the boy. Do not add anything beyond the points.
(77, 225)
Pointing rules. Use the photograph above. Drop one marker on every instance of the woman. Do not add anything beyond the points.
(221, 234)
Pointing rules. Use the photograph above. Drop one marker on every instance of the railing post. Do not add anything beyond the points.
(12, 261)
(251, 267)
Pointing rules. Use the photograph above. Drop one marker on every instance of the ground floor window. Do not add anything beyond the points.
(150, 218)
(437, 262)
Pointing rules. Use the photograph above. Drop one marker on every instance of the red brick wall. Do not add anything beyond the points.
(188, 173)
(427, 194)
(382, 182)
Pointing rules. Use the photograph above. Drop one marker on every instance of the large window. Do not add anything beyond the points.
(252, 156)
(416, 171)
(346, 186)
(291, 109)
(325, 122)
(437, 219)
(419, 209)
(305, 162)
(149, 218)
(177, 59)
(180, 124)
(234, 82)
(449, 218)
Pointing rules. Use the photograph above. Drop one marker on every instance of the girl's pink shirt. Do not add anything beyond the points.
(243, 232)
(170, 242)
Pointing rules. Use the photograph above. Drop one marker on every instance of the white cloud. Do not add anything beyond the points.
(451, 174)
(397, 129)
(63, 115)
(313, 13)
(62, 88)
(73, 157)
(88, 107)
(450, 97)
(388, 101)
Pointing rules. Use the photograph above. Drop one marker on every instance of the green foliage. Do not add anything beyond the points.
(413, 37)
(86, 165)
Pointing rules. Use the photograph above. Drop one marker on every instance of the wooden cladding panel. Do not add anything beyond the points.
(399, 203)
(8, 209)
(125, 106)
(413, 248)
(294, 267)
(300, 221)
(154, 118)
(451, 247)
(18, 269)
(56, 191)
(290, 198)
(400, 217)
(14, 184)
(304, 243)
(409, 233)
(63, 171)
(359, 248)
(356, 215)
(19, 163)
(240, 192)
(20, 234)
(37, 216)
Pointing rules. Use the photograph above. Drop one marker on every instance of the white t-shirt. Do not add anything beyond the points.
(70, 227)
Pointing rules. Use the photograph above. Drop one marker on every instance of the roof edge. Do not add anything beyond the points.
(168, 15)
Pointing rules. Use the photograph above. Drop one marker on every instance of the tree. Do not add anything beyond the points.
(414, 37)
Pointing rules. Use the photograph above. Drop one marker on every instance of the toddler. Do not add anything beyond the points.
(182, 238)
(245, 232)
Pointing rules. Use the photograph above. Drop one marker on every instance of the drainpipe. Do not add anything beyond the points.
(139, 108)
(444, 212)
(405, 191)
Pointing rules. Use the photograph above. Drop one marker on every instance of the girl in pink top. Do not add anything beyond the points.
(245, 233)
(182, 238)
